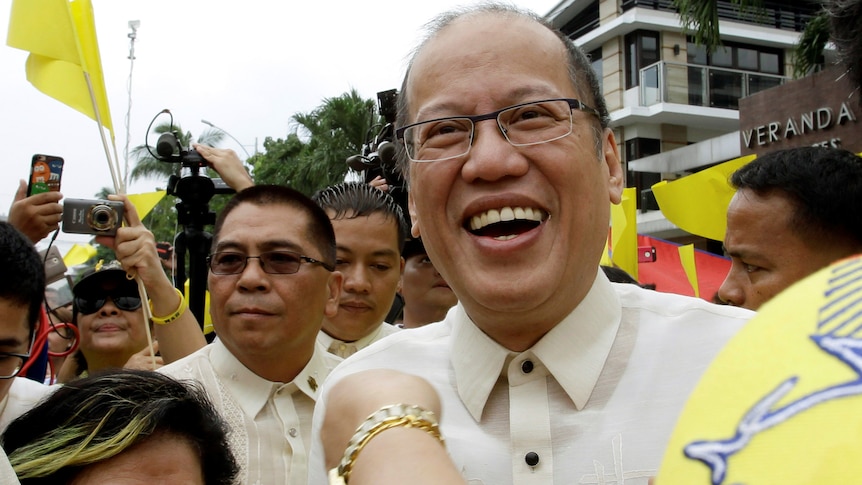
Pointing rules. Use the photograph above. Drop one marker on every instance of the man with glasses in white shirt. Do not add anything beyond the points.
(271, 282)
(22, 290)
(547, 372)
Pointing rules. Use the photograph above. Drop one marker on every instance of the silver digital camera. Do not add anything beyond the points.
(92, 216)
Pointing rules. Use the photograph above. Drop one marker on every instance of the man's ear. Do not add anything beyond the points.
(611, 156)
(336, 279)
(414, 217)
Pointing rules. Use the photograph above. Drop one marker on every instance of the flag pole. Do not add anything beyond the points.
(118, 187)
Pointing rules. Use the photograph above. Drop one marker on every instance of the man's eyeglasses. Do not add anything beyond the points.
(522, 125)
(91, 304)
(272, 262)
(11, 364)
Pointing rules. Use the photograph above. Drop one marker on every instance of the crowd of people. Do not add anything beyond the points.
(515, 359)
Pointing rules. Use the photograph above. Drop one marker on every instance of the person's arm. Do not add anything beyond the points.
(228, 165)
(35, 216)
(396, 455)
(135, 247)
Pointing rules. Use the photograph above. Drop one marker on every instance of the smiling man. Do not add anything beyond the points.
(547, 372)
(271, 282)
(369, 235)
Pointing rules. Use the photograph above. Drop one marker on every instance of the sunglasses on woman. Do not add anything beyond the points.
(91, 304)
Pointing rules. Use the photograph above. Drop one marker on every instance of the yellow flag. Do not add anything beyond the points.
(698, 203)
(624, 234)
(686, 257)
(79, 254)
(208, 323)
(144, 203)
(64, 60)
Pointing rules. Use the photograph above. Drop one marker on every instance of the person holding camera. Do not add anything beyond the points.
(108, 307)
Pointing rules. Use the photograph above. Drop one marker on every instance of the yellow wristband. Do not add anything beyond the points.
(173, 316)
(388, 417)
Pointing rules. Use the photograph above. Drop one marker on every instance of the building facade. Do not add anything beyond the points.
(674, 107)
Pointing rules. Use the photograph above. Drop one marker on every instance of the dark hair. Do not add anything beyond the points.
(23, 281)
(845, 17)
(349, 200)
(825, 184)
(98, 417)
(581, 73)
(319, 229)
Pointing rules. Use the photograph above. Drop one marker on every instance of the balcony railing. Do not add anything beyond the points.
(698, 85)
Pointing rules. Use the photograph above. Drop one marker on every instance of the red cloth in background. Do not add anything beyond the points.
(667, 273)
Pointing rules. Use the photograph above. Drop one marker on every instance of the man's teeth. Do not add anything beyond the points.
(494, 216)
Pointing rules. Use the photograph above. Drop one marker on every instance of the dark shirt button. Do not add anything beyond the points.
(532, 458)
(527, 366)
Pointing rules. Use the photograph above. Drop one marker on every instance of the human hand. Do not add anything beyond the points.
(379, 183)
(228, 165)
(143, 360)
(36, 216)
(135, 247)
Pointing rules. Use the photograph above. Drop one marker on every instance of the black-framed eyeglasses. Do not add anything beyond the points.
(522, 125)
(11, 364)
(88, 305)
(272, 262)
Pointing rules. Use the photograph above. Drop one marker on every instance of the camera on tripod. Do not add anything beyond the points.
(378, 157)
(194, 190)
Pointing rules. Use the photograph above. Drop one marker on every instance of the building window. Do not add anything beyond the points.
(736, 76)
(637, 148)
(642, 49)
(596, 63)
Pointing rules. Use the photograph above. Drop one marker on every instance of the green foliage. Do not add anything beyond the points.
(809, 50)
(314, 155)
(700, 19)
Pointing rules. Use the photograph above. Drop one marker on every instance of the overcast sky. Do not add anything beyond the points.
(247, 66)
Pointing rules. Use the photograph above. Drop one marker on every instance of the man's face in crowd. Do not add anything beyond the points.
(258, 315)
(522, 270)
(425, 291)
(369, 257)
(111, 330)
(767, 253)
(14, 337)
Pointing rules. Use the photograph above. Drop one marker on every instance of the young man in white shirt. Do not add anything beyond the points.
(370, 231)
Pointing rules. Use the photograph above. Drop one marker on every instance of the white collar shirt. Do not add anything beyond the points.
(23, 395)
(592, 402)
(270, 422)
(344, 349)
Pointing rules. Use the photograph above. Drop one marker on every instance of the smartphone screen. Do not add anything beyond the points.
(45, 174)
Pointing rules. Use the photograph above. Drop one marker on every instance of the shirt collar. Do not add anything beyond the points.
(574, 351)
(327, 340)
(251, 391)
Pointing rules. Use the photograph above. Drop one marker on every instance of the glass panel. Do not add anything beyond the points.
(650, 85)
(725, 89)
(759, 83)
(696, 54)
(769, 62)
(746, 59)
(696, 86)
(723, 56)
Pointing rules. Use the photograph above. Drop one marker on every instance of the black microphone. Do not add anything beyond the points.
(357, 162)
(386, 152)
(167, 145)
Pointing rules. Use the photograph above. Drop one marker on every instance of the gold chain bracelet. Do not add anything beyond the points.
(387, 417)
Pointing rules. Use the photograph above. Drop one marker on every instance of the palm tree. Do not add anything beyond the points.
(315, 154)
(148, 167)
(701, 18)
